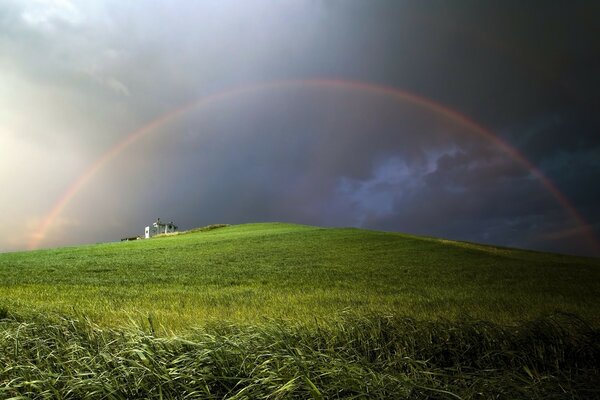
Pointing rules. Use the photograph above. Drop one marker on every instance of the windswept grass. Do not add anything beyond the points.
(375, 357)
(286, 311)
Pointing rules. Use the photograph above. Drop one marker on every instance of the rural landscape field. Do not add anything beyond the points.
(324, 199)
(290, 311)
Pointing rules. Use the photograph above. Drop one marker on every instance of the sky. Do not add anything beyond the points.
(466, 120)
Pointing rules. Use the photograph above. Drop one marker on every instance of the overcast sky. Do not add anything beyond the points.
(76, 78)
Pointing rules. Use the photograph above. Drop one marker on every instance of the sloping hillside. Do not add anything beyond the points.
(289, 311)
(254, 272)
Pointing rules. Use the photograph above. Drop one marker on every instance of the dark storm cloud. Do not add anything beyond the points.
(77, 77)
(472, 198)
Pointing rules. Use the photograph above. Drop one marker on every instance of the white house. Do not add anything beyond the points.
(159, 227)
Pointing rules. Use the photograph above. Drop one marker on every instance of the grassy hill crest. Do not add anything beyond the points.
(246, 273)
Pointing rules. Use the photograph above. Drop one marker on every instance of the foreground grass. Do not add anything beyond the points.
(289, 311)
(247, 274)
(355, 357)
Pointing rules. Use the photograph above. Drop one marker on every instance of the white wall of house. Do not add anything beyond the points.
(158, 228)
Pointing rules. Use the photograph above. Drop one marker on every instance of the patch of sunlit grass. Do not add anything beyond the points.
(250, 272)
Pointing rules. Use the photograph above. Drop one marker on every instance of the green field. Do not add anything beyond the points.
(253, 272)
(285, 310)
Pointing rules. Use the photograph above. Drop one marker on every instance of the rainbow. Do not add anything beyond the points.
(397, 94)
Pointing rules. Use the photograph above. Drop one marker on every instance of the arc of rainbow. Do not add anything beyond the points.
(395, 93)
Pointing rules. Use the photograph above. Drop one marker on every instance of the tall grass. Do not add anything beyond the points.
(353, 357)
(144, 319)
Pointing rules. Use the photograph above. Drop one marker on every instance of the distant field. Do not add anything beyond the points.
(286, 311)
(259, 272)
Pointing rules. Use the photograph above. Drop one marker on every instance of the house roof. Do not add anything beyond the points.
(159, 223)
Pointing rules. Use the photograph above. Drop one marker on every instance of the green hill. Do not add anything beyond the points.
(249, 273)
(287, 311)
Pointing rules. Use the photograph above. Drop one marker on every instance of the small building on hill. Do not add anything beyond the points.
(159, 227)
